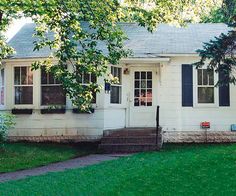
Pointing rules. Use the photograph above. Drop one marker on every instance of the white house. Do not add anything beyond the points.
(159, 73)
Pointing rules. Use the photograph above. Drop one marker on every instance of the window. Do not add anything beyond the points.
(88, 78)
(116, 88)
(23, 85)
(52, 92)
(143, 88)
(2, 78)
(205, 88)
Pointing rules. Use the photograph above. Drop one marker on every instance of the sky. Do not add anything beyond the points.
(16, 26)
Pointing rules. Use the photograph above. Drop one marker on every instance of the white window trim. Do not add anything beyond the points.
(4, 92)
(20, 106)
(195, 91)
(118, 105)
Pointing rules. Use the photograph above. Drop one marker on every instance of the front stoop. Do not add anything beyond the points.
(131, 140)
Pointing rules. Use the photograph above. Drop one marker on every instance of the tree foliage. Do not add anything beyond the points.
(80, 27)
(220, 52)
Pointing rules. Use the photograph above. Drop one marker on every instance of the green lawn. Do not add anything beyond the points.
(177, 170)
(19, 156)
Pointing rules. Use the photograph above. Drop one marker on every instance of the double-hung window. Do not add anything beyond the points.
(52, 92)
(2, 87)
(23, 85)
(86, 79)
(205, 86)
(117, 87)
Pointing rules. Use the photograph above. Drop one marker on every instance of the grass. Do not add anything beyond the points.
(18, 156)
(177, 170)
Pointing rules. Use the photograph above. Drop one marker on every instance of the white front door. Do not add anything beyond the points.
(143, 97)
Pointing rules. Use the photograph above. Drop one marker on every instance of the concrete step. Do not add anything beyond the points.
(130, 132)
(127, 148)
(128, 139)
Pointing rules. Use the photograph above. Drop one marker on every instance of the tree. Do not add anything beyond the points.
(79, 27)
(220, 52)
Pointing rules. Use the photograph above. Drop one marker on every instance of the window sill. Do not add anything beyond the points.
(77, 111)
(206, 105)
(22, 111)
(116, 106)
(53, 111)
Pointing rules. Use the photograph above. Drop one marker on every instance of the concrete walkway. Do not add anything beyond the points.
(61, 166)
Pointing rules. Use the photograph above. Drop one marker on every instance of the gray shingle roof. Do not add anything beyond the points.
(165, 40)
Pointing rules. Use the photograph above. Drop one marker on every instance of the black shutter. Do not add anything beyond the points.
(187, 85)
(224, 92)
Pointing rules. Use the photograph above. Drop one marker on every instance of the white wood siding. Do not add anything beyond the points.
(173, 117)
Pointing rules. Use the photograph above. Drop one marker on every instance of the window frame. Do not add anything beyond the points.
(2, 106)
(26, 106)
(117, 85)
(86, 84)
(45, 85)
(216, 91)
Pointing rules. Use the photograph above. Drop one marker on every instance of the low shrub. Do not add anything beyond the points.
(6, 122)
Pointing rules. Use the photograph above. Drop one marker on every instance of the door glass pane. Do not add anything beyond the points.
(143, 75)
(136, 93)
(143, 83)
(143, 101)
(143, 89)
(149, 101)
(136, 102)
(149, 75)
(149, 93)
(136, 85)
(137, 75)
(143, 93)
(149, 84)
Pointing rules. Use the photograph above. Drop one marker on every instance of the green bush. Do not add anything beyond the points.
(6, 122)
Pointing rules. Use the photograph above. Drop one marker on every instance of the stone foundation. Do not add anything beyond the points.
(166, 137)
(199, 137)
(56, 138)
(160, 138)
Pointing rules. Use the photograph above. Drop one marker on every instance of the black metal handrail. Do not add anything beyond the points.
(157, 123)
